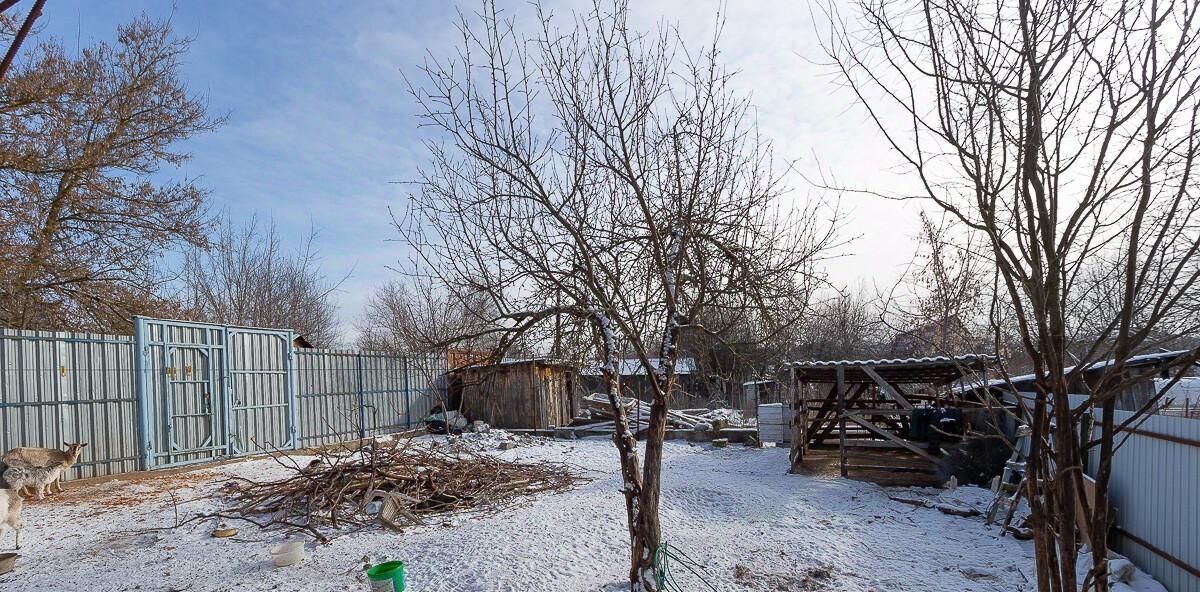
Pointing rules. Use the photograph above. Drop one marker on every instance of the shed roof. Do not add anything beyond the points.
(936, 370)
(1138, 361)
(519, 362)
(633, 367)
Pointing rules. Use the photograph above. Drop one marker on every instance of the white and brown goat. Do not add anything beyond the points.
(10, 513)
(39, 469)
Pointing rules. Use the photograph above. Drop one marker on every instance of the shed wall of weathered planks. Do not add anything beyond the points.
(529, 395)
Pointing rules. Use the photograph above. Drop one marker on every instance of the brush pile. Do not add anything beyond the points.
(399, 481)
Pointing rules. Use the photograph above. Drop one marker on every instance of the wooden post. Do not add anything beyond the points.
(797, 451)
(841, 410)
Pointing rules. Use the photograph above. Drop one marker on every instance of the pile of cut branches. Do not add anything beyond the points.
(412, 479)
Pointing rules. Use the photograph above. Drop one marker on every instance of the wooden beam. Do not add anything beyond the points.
(827, 406)
(799, 439)
(818, 433)
(891, 468)
(888, 444)
(840, 384)
(887, 388)
(862, 456)
(882, 412)
(890, 436)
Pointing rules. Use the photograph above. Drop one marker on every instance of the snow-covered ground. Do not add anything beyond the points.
(734, 510)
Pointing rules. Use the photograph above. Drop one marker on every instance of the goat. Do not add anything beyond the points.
(41, 478)
(10, 513)
(42, 457)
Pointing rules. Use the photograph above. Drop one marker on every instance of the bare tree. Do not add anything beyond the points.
(944, 312)
(86, 208)
(18, 33)
(246, 277)
(592, 171)
(746, 347)
(844, 324)
(415, 316)
(1065, 134)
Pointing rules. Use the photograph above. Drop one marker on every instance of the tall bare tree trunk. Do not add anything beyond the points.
(649, 532)
(1033, 487)
(1066, 134)
(1100, 516)
(626, 443)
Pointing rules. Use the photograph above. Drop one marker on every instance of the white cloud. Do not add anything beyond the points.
(322, 127)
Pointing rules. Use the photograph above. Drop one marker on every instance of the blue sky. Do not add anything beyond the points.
(321, 131)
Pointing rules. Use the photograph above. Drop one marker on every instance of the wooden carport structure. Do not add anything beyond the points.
(869, 406)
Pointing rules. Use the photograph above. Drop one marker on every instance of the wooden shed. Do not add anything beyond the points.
(690, 391)
(876, 414)
(520, 394)
(764, 391)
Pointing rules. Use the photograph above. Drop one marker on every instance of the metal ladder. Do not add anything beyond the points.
(1007, 493)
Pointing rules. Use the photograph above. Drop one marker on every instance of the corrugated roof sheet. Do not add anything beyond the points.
(928, 361)
(927, 370)
(1133, 361)
(517, 361)
(633, 367)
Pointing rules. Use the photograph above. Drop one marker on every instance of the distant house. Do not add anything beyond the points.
(690, 390)
(301, 341)
(517, 394)
(933, 338)
(458, 358)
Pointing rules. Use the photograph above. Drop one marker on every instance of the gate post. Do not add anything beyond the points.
(292, 371)
(408, 397)
(362, 399)
(227, 395)
(141, 371)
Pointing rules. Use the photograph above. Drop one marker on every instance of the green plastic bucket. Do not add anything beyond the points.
(387, 576)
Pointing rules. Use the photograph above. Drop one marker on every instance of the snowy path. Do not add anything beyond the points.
(734, 509)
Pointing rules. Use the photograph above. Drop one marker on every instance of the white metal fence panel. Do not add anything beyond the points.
(386, 405)
(425, 384)
(345, 394)
(182, 370)
(179, 392)
(329, 395)
(260, 390)
(1155, 488)
(70, 387)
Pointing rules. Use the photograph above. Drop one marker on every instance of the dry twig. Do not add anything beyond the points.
(426, 478)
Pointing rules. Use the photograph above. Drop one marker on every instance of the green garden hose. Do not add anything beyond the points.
(664, 556)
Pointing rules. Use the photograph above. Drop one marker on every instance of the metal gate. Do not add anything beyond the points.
(212, 391)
